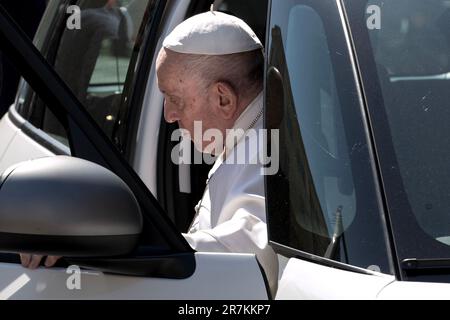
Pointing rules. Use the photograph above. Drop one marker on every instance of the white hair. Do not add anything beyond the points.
(242, 71)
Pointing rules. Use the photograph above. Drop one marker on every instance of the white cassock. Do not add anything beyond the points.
(231, 217)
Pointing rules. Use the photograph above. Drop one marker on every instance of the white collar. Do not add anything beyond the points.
(251, 114)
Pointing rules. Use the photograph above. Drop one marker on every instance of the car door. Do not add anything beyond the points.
(173, 269)
(325, 216)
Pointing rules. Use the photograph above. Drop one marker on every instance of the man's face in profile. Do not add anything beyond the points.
(186, 100)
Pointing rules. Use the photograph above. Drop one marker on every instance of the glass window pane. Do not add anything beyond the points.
(94, 60)
(323, 200)
(412, 55)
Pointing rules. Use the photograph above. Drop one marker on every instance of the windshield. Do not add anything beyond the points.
(407, 44)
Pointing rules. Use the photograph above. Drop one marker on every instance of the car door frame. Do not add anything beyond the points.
(87, 140)
(197, 272)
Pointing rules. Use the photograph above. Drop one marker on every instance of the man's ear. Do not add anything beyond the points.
(226, 100)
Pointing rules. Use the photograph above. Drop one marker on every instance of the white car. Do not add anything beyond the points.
(357, 210)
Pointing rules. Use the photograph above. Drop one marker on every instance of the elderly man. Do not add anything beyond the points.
(210, 71)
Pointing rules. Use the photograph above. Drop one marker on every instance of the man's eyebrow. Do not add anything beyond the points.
(170, 94)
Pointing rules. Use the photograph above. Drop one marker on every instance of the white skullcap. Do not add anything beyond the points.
(212, 33)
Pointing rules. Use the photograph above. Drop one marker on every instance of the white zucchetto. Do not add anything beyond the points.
(212, 33)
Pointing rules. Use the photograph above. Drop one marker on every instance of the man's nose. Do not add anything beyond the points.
(171, 114)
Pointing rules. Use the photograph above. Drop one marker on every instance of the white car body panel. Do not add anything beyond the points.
(217, 276)
(306, 280)
(20, 146)
(7, 132)
(407, 290)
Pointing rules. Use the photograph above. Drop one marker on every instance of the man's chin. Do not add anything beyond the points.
(209, 148)
(212, 149)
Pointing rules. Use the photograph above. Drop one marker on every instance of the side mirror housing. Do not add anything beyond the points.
(67, 206)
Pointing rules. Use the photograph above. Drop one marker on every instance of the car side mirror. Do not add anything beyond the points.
(67, 206)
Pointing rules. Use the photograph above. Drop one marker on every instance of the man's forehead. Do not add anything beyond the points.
(169, 81)
(168, 60)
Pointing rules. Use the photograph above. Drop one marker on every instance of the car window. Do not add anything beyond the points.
(323, 200)
(409, 57)
(413, 39)
(93, 61)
